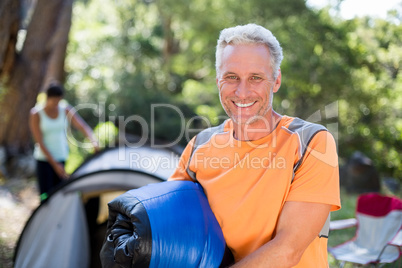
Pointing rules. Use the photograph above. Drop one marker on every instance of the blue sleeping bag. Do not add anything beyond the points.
(168, 224)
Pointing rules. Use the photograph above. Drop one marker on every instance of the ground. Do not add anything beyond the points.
(18, 199)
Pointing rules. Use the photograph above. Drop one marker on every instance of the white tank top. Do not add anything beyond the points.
(54, 135)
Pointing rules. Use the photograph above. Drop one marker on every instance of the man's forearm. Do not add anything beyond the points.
(273, 254)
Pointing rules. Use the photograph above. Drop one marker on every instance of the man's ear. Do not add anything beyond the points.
(278, 81)
(218, 82)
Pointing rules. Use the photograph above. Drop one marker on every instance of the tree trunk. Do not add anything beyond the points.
(40, 60)
(9, 25)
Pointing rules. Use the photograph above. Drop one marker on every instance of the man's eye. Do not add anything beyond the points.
(232, 77)
(256, 78)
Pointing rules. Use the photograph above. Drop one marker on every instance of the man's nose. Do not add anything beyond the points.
(242, 89)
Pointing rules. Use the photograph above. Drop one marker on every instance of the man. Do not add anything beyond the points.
(271, 180)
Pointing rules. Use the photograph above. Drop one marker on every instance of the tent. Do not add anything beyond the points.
(68, 228)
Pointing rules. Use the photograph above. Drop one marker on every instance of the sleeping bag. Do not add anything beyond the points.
(167, 224)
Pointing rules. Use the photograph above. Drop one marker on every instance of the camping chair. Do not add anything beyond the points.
(378, 237)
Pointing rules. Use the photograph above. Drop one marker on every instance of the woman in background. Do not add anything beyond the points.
(48, 125)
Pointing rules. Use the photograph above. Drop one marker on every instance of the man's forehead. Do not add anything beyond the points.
(250, 50)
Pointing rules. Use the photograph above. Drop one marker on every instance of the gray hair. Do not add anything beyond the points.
(250, 34)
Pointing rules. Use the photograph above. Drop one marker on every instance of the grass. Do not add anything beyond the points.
(337, 237)
(347, 211)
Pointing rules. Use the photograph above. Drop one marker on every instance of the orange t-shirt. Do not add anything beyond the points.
(248, 182)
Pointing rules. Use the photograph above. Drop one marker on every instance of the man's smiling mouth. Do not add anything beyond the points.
(243, 105)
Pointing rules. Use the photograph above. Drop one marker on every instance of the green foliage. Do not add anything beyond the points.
(371, 111)
(125, 57)
(106, 134)
(75, 158)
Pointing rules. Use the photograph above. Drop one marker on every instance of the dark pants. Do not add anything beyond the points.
(47, 177)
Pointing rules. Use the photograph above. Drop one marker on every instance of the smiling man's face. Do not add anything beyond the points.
(246, 83)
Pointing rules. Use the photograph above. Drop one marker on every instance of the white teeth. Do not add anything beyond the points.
(243, 105)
